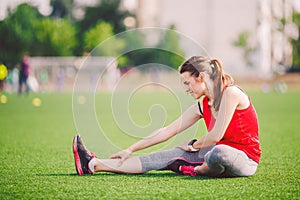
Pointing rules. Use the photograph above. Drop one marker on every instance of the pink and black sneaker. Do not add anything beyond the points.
(82, 157)
(187, 170)
(183, 166)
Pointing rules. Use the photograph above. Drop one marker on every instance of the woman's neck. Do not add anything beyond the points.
(210, 97)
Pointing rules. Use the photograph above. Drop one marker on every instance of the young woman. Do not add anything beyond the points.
(230, 148)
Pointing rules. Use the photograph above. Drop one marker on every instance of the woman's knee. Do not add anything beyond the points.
(219, 154)
(230, 162)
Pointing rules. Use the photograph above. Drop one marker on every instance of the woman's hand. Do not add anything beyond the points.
(184, 146)
(122, 155)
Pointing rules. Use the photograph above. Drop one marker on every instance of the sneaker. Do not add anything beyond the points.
(177, 163)
(80, 143)
(187, 170)
(82, 157)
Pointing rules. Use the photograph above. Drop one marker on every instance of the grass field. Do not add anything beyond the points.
(37, 161)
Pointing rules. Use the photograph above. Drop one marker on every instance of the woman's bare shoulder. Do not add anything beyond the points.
(238, 94)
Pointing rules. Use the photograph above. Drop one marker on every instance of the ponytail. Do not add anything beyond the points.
(226, 78)
(220, 80)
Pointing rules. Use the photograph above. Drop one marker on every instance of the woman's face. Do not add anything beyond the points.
(194, 85)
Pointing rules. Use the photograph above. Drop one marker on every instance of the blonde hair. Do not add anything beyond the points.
(197, 64)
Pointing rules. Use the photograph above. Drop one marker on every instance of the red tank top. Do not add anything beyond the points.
(242, 131)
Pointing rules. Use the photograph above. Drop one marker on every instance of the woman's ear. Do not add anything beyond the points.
(201, 76)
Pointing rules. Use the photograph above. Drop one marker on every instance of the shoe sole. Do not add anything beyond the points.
(76, 157)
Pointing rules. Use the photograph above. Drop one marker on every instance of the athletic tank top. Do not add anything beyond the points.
(242, 131)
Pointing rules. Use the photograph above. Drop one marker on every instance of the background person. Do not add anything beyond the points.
(23, 74)
(231, 147)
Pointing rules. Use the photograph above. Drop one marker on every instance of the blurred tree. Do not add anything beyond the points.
(296, 45)
(107, 10)
(167, 52)
(134, 40)
(99, 33)
(61, 8)
(54, 38)
(16, 33)
(242, 42)
(25, 30)
(173, 55)
(134, 54)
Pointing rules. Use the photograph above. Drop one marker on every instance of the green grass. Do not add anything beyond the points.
(37, 161)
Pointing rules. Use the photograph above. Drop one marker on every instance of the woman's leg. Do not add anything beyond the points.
(142, 164)
(164, 160)
(226, 161)
(138, 164)
(130, 166)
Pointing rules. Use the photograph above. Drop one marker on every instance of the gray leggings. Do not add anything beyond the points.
(224, 160)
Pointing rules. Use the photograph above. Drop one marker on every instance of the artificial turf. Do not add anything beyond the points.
(37, 161)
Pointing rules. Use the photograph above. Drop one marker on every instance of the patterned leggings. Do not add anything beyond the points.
(224, 160)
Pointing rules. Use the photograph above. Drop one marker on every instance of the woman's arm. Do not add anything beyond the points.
(231, 99)
(188, 118)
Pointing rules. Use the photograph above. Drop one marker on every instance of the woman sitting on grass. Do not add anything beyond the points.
(230, 148)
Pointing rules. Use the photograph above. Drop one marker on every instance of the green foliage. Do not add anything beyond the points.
(107, 10)
(54, 37)
(37, 160)
(26, 30)
(242, 40)
(95, 35)
(243, 43)
(134, 40)
(166, 52)
(122, 60)
(16, 35)
(154, 55)
(61, 8)
(296, 43)
(170, 43)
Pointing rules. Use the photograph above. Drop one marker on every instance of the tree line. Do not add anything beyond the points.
(25, 30)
